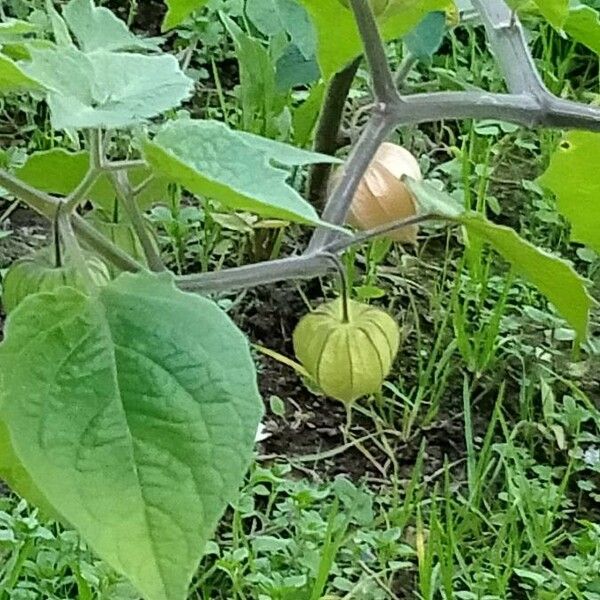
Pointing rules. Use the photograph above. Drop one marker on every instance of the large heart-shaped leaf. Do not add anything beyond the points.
(234, 168)
(98, 28)
(574, 178)
(337, 34)
(106, 89)
(58, 171)
(134, 413)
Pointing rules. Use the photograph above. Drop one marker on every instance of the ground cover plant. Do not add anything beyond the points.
(361, 234)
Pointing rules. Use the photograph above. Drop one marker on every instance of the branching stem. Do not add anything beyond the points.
(125, 194)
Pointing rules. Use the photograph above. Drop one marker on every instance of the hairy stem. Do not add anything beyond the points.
(79, 194)
(103, 246)
(121, 184)
(72, 247)
(296, 267)
(42, 203)
(383, 80)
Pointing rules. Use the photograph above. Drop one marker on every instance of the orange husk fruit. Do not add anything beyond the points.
(382, 197)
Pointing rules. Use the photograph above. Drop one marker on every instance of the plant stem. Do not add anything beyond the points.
(306, 266)
(338, 204)
(124, 165)
(384, 87)
(42, 203)
(404, 69)
(58, 259)
(46, 206)
(328, 129)
(79, 194)
(103, 246)
(343, 284)
(72, 247)
(121, 184)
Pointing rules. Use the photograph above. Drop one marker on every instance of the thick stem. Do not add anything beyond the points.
(72, 247)
(121, 184)
(42, 203)
(78, 195)
(522, 109)
(384, 87)
(104, 247)
(296, 267)
(509, 45)
(328, 129)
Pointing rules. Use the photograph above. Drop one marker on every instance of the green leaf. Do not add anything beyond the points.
(298, 26)
(179, 11)
(15, 28)
(59, 27)
(211, 160)
(135, 414)
(554, 11)
(305, 116)
(58, 171)
(13, 79)
(293, 69)
(284, 154)
(264, 15)
(555, 278)
(573, 176)
(107, 89)
(16, 476)
(426, 38)
(583, 24)
(260, 98)
(97, 28)
(272, 17)
(337, 34)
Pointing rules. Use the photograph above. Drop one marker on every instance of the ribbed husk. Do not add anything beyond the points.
(37, 273)
(347, 360)
(381, 196)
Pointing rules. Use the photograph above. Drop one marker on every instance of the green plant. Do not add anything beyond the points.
(113, 397)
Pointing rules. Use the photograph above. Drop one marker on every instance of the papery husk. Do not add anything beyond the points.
(381, 196)
(347, 359)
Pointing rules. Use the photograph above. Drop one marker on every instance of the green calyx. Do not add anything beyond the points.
(38, 273)
(347, 359)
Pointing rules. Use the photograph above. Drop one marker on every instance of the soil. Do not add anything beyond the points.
(313, 424)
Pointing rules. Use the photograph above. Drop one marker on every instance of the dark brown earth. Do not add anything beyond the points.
(314, 424)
